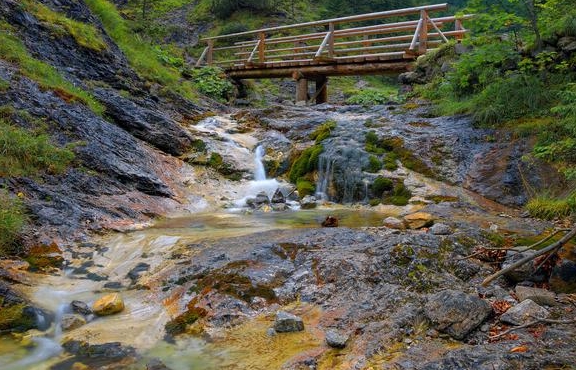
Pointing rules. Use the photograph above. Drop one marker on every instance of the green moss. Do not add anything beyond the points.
(217, 162)
(14, 51)
(15, 318)
(28, 154)
(85, 35)
(306, 163)
(380, 185)
(305, 187)
(198, 145)
(323, 131)
(179, 324)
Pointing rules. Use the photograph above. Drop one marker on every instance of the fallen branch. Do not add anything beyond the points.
(565, 239)
(532, 323)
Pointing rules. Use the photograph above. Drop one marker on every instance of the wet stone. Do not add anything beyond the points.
(260, 200)
(72, 321)
(278, 197)
(441, 229)
(80, 307)
(108, 305)
(336, 339)
(113, 285)
(563, 278)
(138, 271)
(523, 313)
(286, 322)
(156, 364)
(308, 202)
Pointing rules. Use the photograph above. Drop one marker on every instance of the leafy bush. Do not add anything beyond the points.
(369, 97)
(12, 220)
(390, 161)
(212, 82)
(374, 164)
(27, 154)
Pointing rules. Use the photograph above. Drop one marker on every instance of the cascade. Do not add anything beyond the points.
(260, 183)
(259, 170)
(325, 173)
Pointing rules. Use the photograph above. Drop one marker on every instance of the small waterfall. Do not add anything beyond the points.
(259, 170)
(325, 173)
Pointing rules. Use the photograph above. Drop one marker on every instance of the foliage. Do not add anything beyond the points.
(85, 34)
(14, 51)
(374, 164)
(390, 161)
(548, 207)
(27, 154)
(212, 82)
(12, 220)
(400, 195)
(323, 131)
(168, 58)
(225, 8)
(380, 185)
(369, 97)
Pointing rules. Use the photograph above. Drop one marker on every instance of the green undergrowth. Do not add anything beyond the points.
(85, 34)
(26, 153)
(14, 51)
(144, 58)
(12, 220)
(548, 207)
(212, 81)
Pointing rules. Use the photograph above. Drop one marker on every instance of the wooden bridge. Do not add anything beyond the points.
(334, 47)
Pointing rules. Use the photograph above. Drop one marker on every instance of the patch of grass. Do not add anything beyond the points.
(323, 131)
(12, 220)
(549, 208)
(141, 55)
(212, 82)
(85, 35)
(28, 154)
(14, 51)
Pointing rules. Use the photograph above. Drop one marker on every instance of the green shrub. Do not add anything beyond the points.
(390, 161)
(374, 164)
(306, 163)
(28, 154)
(305, 187)
(12, 220)
(323, 131)
(14, 51)
(212, 82)
(369, 97)
(400, 195)
(380, 185)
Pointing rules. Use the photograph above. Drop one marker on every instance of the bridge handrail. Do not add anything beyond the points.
(349, 19)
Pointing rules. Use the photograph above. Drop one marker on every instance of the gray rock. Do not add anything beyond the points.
(394, 223)
(278, 197)
(113, 350)
(336, 339)
(563, 277)
(72, 321)
(279, 207)
(286, 322)
(539, 296)
(441, 229)
(80, 307)
(522, 273)
(138, 271)
(456, 313)
(258, 201)
(523, 313)
(156, 364)
(308, 202)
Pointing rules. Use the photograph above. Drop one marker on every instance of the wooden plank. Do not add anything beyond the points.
(350, 19)
(378, 47)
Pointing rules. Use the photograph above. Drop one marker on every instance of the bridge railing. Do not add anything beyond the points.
(337, 41)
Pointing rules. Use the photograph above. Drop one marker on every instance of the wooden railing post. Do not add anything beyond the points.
(423, 35)
(262, 48)
(210, 54)
(458, 27)
(331, 40)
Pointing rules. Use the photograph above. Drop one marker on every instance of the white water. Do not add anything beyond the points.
(259, 170)
(260, 184)
(325, 172)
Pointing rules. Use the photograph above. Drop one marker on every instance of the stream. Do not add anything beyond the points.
(106, 263)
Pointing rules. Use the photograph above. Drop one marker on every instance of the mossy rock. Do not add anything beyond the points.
(305, 187)
(305, 163)
(323, 131)
(179, 324)
(19, 317)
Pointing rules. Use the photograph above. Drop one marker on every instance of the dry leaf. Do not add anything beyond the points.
(521, 349)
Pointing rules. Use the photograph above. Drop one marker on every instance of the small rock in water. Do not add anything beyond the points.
(278, 197)
(335, 339)
(80, 307)
(260, 200)
(539, 296)
(108, 305)
(419, 220)
(441, 229)
(72, 321)
(394, 223)
(523, 313)
(286, 322)
(279, 207)
(113, 285)
(308, 202)
(330, 221)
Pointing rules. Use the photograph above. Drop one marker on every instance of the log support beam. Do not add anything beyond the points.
(301, 90)
(321, 90)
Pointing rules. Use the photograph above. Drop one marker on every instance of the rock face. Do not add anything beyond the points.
(419, 220)
(108, 305)
(456, 313)
(523, 313)
(286, 323)
(72, 321)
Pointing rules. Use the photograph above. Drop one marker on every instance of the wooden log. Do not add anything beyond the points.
(321, 95)
(423, 35)
(302, 90)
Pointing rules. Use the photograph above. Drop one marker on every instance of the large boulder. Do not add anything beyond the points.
(456, 313)
(419, 220)
(108, 305)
